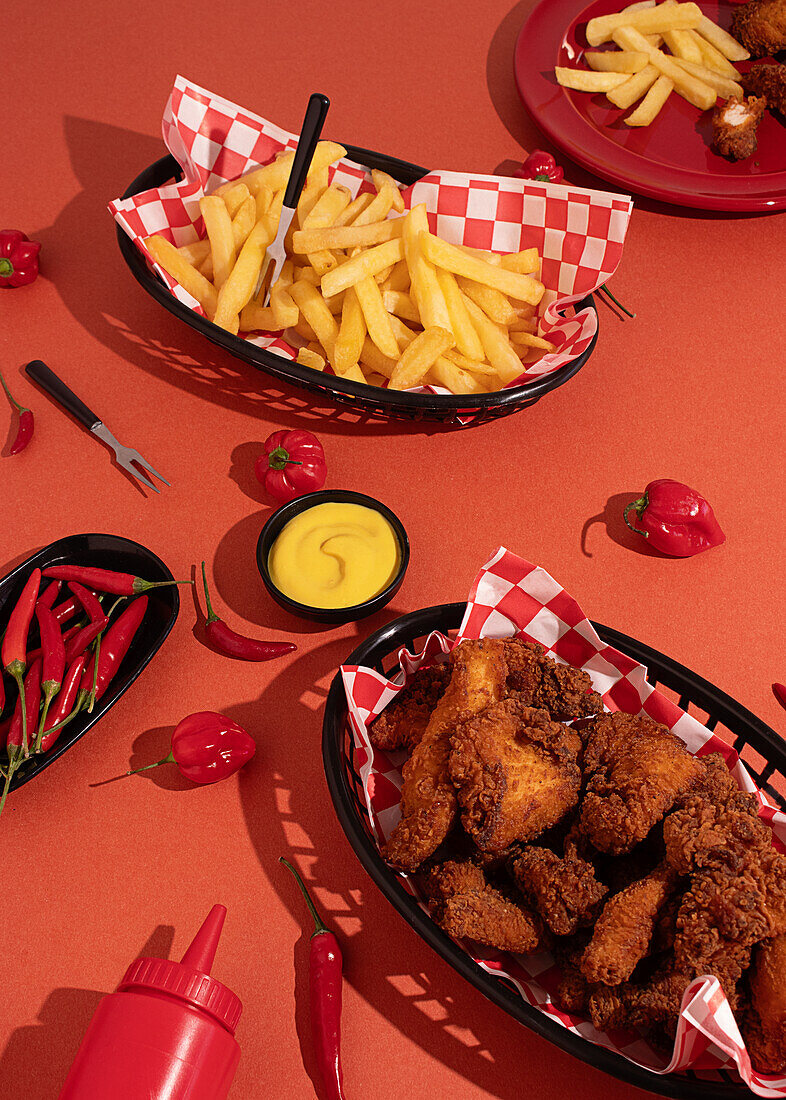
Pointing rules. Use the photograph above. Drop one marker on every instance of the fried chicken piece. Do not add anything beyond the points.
(764, 1025)
(573, 992)
(403, 722)
(760, 25)
(463, 903)
(515, 773)
(715, 784)
(624, 930)
(636, 769)
(704, 834)
(564, 891)
(564, 691)
(768, 81)
(428, 798)
(734, 126)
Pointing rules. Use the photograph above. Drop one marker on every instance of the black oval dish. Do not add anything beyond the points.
(458, 410)
(336, 615)
(762, 752)
(103, 552)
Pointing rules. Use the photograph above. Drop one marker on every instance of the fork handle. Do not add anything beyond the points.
(309, 136)
(49, 381)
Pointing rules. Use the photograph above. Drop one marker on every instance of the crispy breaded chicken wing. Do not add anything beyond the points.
(760, 25)
(734, 126)
(564, 891)
(463, 903)
(428, 798)
(764, 1025)
(635, 769)
(768, 81)
(401, 725)
(515, 773)
(623, 931)
(565, 692)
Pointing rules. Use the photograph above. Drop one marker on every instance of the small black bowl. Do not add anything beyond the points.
(281, 518)
(103, 552)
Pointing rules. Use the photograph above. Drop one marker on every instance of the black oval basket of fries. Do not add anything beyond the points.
(404, 293)
(620, 925)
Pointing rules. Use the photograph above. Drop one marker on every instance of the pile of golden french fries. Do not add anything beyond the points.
(365, 288)
(699, 66)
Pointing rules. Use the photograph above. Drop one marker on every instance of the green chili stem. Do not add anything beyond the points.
(319, 925)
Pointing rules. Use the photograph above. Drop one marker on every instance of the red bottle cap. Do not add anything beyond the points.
(189, 980)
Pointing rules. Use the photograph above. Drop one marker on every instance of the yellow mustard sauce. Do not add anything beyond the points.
(334, 555)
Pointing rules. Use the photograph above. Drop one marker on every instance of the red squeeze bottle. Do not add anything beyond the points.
(166, 1033)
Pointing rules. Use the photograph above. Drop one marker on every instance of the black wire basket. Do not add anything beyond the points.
(759, 747)
(458, 410)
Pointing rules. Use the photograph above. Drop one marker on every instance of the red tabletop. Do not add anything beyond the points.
(94, 875)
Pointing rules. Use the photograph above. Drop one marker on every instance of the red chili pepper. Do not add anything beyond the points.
(675, 519)
(64, 709)
(82, 637)
(293, 464)
(540, 165)
(112, 648)
(207, 747)
(88, 601)
(66, 635)
(49, 595)
(779, 691)
(67, 609)
(53, 656)
(25, 715)
(106, 580)
(26, 427)
(232, 644)
(18, 258)
(14, 650)
(325, 988)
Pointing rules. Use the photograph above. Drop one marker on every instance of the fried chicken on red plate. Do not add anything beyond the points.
(760, 25)
(734, 126)
(635, 770)
(768, 81)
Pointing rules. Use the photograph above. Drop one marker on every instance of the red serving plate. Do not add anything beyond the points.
(670, 159)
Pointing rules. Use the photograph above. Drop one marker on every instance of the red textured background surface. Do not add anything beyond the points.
(692, 389)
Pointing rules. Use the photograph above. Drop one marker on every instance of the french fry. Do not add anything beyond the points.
(399, 277)
(467, 339)
(403, 333)
(712, 58)
(326, 209)
(474, 366)
(351, 334)
(683, 46)
(263, 200)
(243, 222)
(256, 318)
(585, 80)
(421, 354)
(615, 61)
(689, 87)
(304, 329)
(400, 304)
(196, 252)
(235, 197)
(382, 179)
(525, 339)
(493, 303)
(346, 236)
(240, 284)
(373, 358)
(275, 175)
(354, 373)
(285, 313)
(361, 266)
(376, 316)
(425, 290)
(446, 255)
(335, 302)
(721, 40)
(222, 242)
(482, 254)
(723, 86)
(168, 257)
(379, 207)
(496, 345)
(663, 17)
(308, 358)
(374, 379)
(634, 88)
(453, 378)
(523, 324)
(316, 315)
(651, 104)
(526, 262)
(349, 213)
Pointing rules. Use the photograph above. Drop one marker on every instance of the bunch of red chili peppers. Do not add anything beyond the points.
(72, 667)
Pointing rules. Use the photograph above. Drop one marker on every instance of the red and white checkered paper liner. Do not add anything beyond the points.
(579, 234)
(511, 597)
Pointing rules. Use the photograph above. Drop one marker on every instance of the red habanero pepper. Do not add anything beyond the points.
(675, 519)
(18, 258)
(106, 580)
(82, 637)
(64, 709)
(540, 165)
(325, 989)
(232, 644)
(26, 422)
(293, 463)
(49, 595)
(53, 657)
(112, 648)
(14, 648)
(88, 601)
(207, 747)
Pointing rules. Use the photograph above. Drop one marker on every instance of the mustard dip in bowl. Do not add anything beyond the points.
(334, 556)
